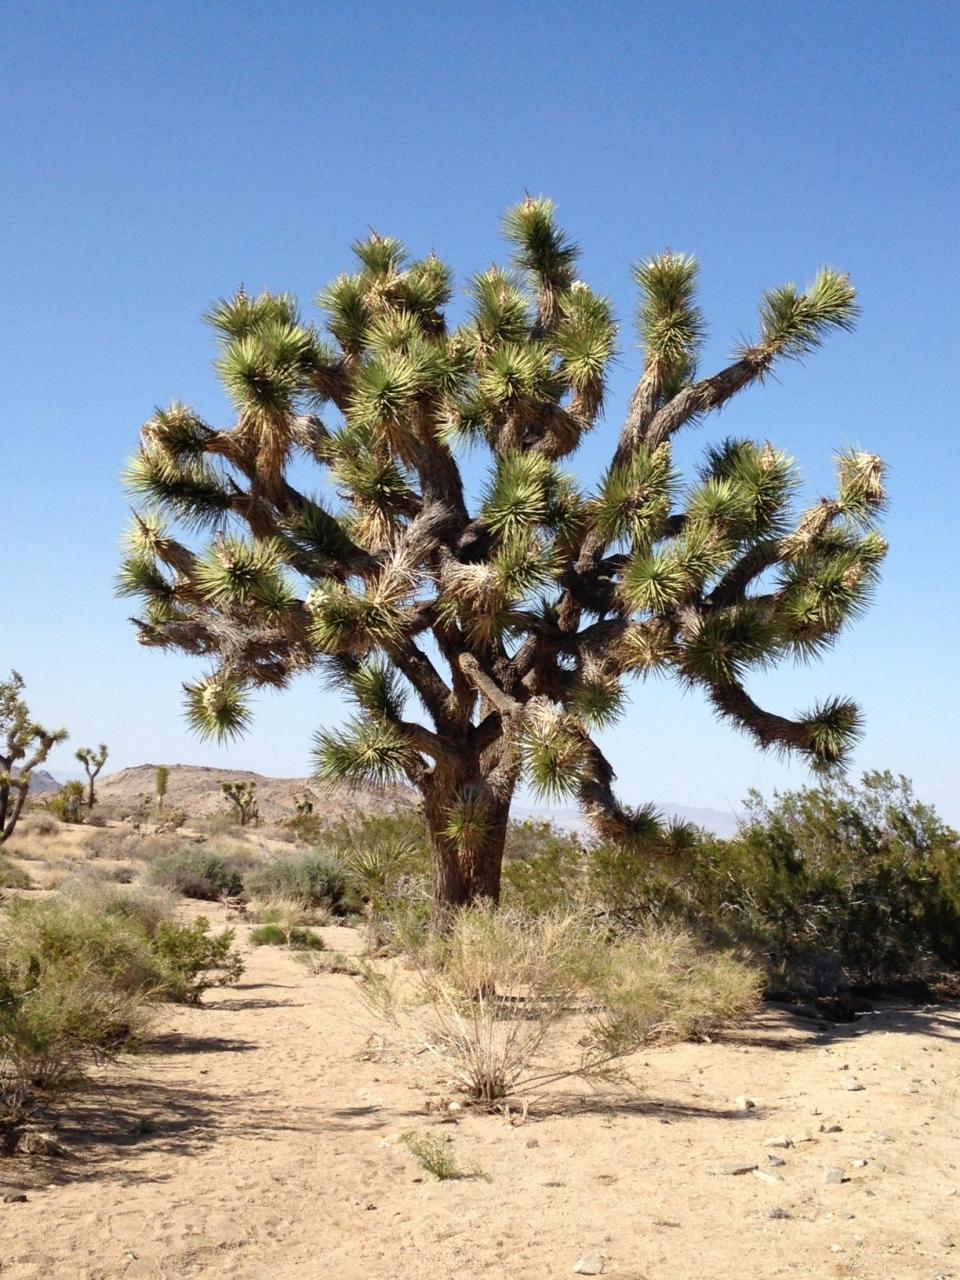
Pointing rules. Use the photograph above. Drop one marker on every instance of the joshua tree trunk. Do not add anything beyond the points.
(466, 862)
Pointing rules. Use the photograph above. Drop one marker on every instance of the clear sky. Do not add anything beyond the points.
(155, 155)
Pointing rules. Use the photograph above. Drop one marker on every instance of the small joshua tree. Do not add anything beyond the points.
(516, 619)
(23, 746)
(161, 778)
(304, 806)
(69, 802)
(243, 797)
(93, 762)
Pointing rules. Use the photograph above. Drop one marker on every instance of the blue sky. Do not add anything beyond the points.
(155, 155)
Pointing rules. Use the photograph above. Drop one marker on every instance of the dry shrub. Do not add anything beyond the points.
(287, 912)
(12, 876)
(492, 997)
(37, 823)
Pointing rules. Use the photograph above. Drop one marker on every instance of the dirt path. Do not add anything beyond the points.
(258, 1142)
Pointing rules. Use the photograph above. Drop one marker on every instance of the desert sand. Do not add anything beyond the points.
(259, 1138)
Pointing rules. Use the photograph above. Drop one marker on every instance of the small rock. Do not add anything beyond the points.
(766, 1176)
(831, 1128)
(777, 1213)
(784, 1143)
(852, 1085)
(947, 1242)
(832, 1177)
(859, 1164)
(777, 1161)
(15, 1197)
(532, 1142)
(591, 1264)
(454, 1107)
(733, 1170)
(881, 1137)
(804, 1136)
(743, 1103)
(836, 1248)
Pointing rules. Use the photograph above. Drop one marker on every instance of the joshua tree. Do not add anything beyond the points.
(93, 762)
(243, 797)
(161, 777)
(23, 746)
(517, 618)
(68, 803)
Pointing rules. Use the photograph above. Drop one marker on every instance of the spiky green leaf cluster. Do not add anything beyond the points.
(368, 751)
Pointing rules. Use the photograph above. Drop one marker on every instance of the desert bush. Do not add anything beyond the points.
(12, 876)
(69, 803)
(198, 872)
(296, 937)
(543, 869)
(171, 819)
(126, 937)
(833, 884)
(493, 993)
(78, 973)
(54, 1021)
(306, 827)
(434, 1154)
(316, 879)
(37, 823)
(216, 824)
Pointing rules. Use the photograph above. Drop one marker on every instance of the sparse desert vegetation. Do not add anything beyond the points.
(526, 1060)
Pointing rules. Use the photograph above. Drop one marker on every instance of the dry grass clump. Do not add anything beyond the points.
(12, 876)
(37, 823)
(78, 972)
(492, 997)
(288, 912)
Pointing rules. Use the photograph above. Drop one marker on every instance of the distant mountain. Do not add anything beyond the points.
(42, 783)
(196, 790)
(713, 820)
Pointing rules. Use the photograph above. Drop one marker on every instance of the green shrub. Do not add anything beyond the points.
(12, 876)
(317, 879)
(197, 872)
(434, 1154)
(297, 937)
(830, 884)
(543, 870)
(51, 1023)
(78, 972)
(125, 938)
(306, 827)
(69, 803)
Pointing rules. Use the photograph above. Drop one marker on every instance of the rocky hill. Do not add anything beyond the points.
(196, 790)
(42, 783)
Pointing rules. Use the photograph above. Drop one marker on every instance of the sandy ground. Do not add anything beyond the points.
(259, 1140)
